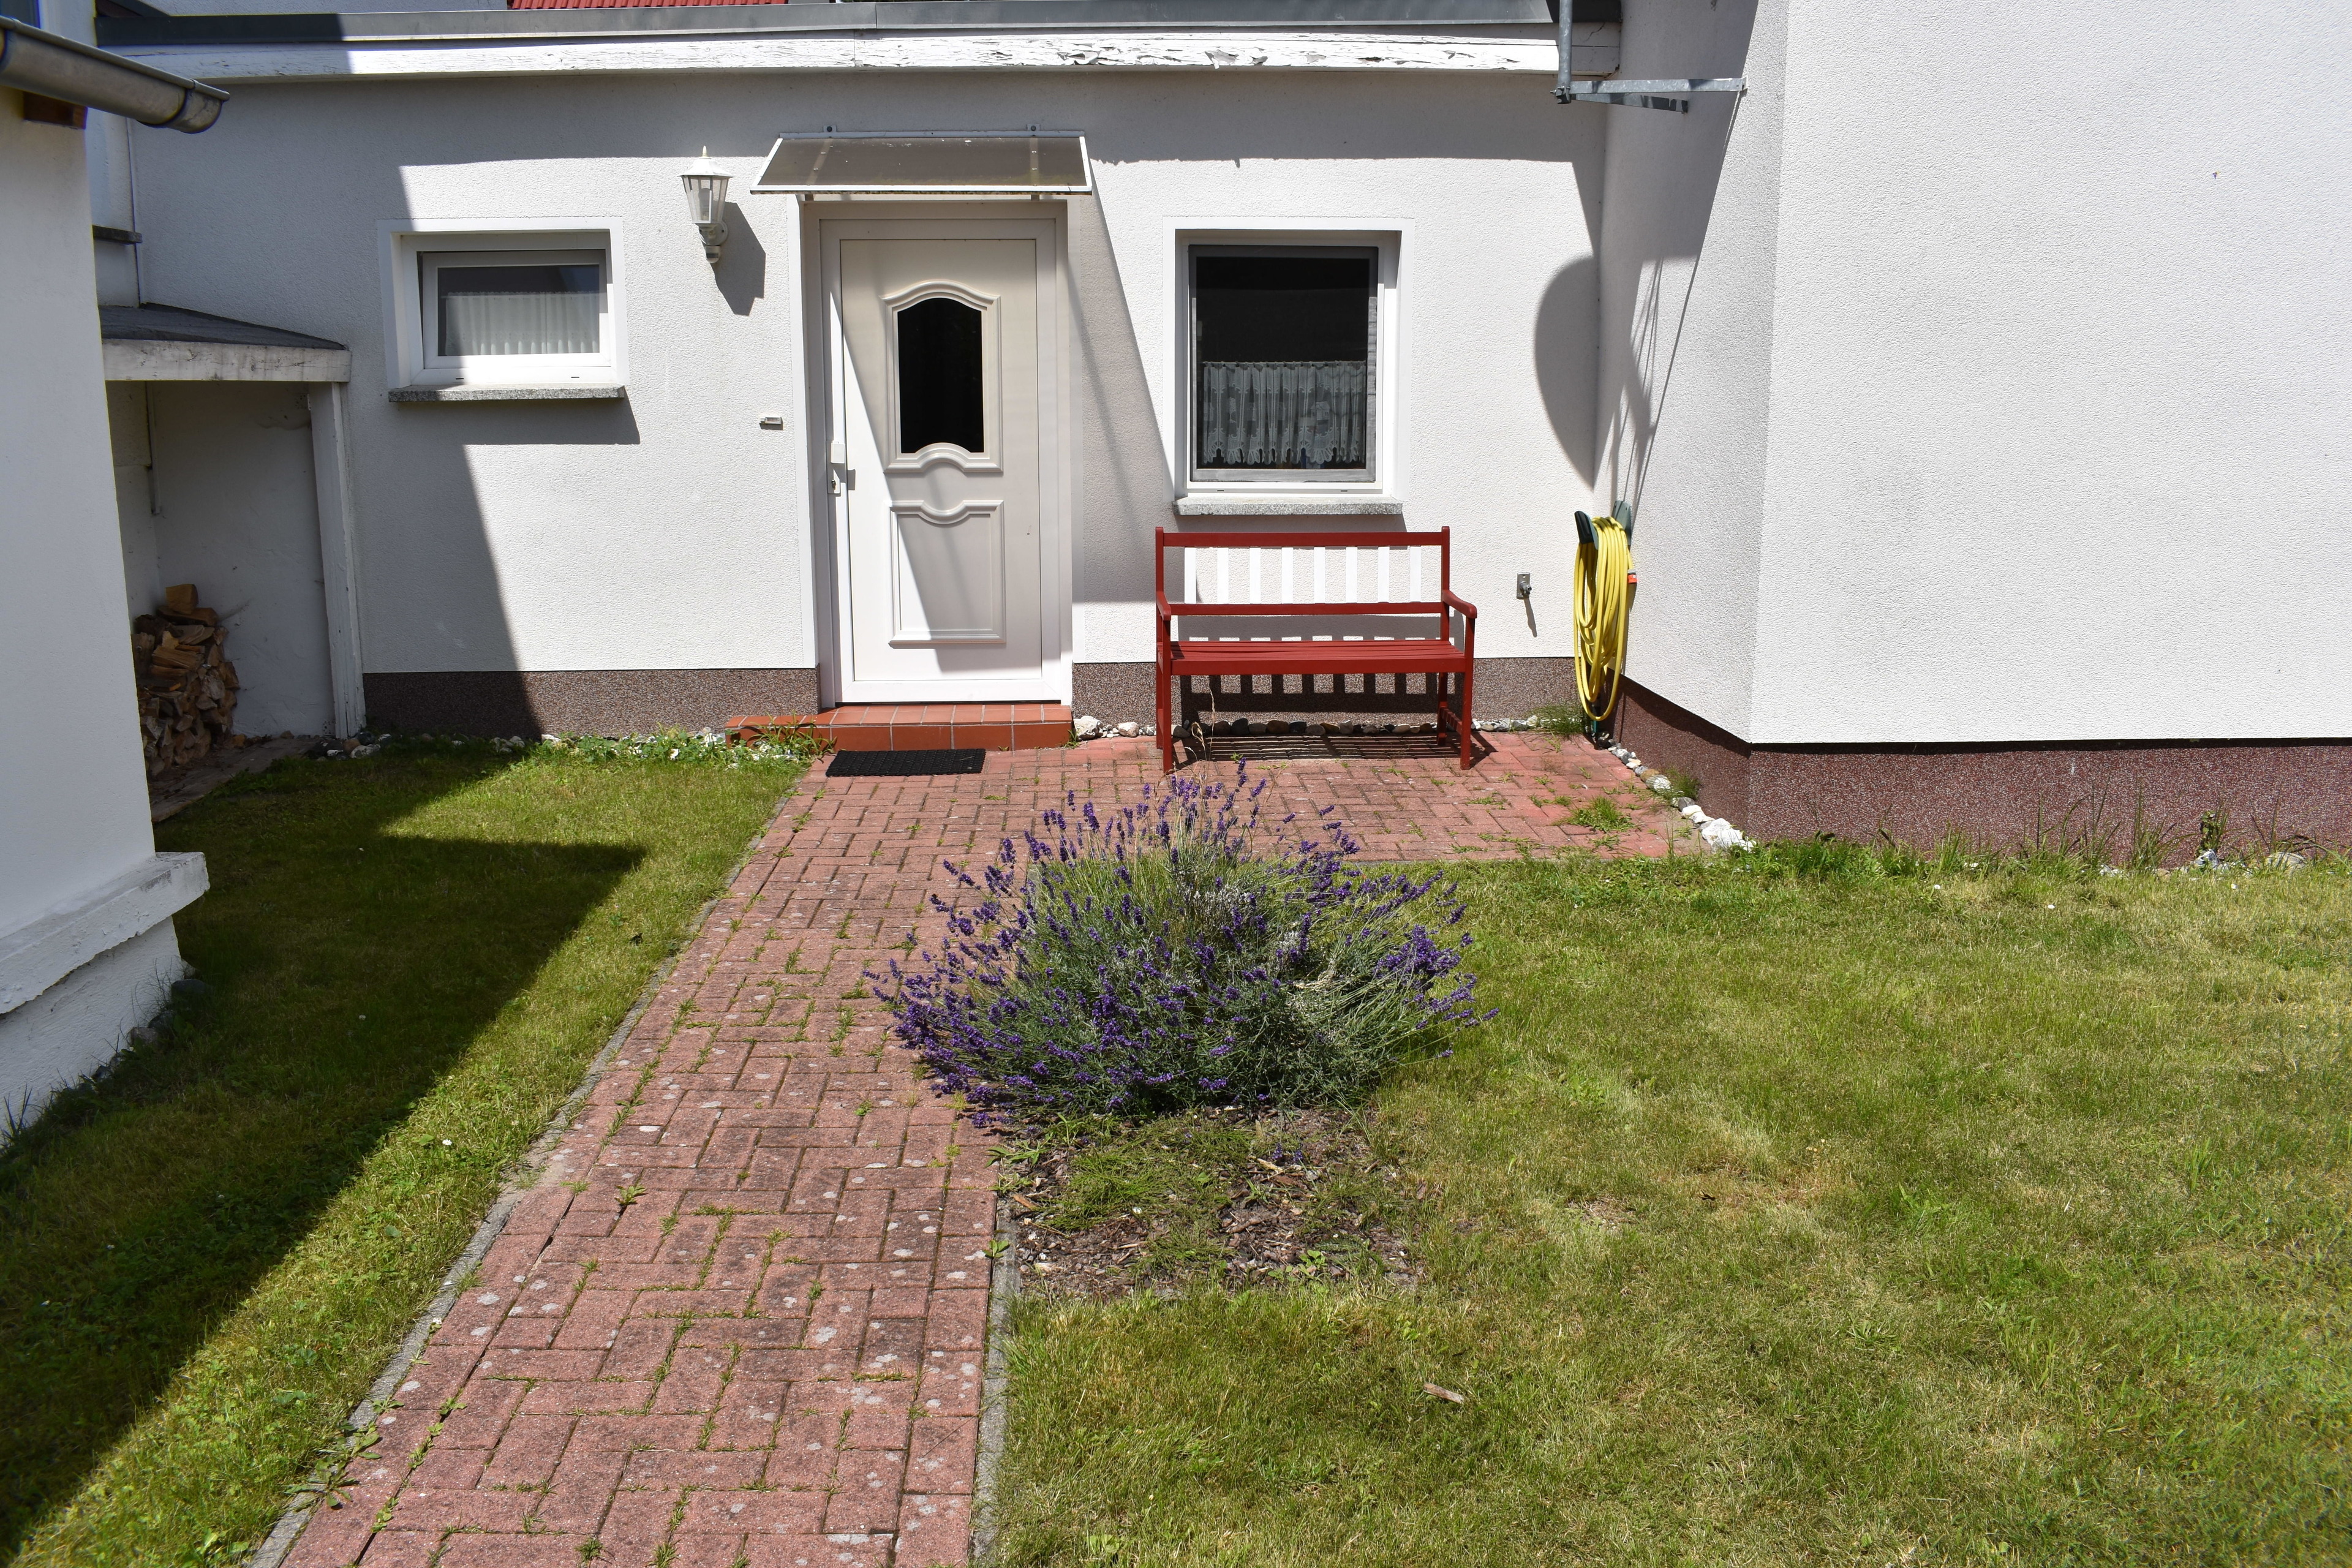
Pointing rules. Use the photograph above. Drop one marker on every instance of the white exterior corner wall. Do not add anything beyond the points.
(1687, 276)
(668, 531)
(2036, 424)
(73, 797)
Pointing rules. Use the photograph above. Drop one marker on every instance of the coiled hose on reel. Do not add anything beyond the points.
(1605, 598)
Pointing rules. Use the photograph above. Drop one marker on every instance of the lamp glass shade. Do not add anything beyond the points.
(706, 189)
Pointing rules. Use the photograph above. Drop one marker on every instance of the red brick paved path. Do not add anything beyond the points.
(771, 1355)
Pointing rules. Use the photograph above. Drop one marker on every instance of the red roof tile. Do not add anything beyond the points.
(610, 5)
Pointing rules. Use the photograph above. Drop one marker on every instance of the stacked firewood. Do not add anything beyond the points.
(187, 688)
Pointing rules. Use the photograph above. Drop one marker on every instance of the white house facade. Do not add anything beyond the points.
(86, 948)
(1975, 387)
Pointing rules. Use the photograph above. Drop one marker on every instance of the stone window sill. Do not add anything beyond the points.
(558, 391)
(1231, 504)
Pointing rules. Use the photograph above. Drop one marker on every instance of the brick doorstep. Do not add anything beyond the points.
(779, 1341)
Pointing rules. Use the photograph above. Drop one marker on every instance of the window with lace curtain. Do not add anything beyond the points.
(1283, 371)
(545, 305)
(534, 305)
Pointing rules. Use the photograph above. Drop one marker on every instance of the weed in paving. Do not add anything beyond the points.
(1601, 814)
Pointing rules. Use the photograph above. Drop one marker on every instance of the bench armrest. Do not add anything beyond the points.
(1469, 613)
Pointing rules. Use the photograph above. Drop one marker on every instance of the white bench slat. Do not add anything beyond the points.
(1210, 575)
(1331, 574)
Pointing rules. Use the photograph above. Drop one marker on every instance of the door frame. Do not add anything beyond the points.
(827, 223)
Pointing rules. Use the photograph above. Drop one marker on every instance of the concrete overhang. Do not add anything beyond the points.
(573, 36)
(163, 342)
(52, 945)
(545, 21)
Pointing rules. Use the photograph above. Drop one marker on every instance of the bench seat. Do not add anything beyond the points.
(1360, 656)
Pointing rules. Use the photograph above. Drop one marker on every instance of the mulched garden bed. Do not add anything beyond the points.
(1207, 1197)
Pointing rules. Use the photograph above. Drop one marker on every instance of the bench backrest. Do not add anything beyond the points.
(1255, 586)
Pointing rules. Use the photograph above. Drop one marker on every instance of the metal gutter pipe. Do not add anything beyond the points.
(33, 59)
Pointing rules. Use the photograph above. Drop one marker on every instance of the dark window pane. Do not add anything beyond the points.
(939, 376)
(1283, 372)
(1283, 306)
(532, 309)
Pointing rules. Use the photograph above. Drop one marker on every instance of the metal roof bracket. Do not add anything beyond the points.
(1671, 93)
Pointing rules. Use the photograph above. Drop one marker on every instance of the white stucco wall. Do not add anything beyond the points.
(231, 506)
(75, 1027)
(1688, 258)
(2051, 354)
(671, 531)
(73, 798)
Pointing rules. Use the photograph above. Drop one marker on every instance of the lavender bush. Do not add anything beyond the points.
(1182, 951)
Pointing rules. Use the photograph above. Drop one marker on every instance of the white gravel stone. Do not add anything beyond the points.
(1086, 728)
(1721, 834)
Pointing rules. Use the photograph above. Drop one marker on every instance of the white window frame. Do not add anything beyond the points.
(411, 324)
(1382, 483)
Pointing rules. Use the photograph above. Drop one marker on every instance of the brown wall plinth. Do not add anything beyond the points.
(580, 701)
(1114, 693)
(2055, 793)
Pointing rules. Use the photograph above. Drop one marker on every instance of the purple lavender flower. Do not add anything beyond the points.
(1178, 950)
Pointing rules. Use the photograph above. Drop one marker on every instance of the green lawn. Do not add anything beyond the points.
(210, 1255)
(1842, 1219)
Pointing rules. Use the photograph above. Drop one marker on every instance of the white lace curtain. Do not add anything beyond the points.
(1283, 414)
(485, 319)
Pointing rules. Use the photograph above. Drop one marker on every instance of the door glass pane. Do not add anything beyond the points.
(939, 376)
(548, 309)
(1285, 361)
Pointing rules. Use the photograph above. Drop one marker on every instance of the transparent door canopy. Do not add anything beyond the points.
(975, 163)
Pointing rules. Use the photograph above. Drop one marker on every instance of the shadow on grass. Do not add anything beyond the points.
(350, 968)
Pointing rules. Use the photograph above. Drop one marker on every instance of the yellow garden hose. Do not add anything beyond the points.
(1604, 595)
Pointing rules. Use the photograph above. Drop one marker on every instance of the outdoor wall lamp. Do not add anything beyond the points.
(705, 203)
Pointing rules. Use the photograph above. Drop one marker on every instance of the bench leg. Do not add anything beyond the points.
(1461, 719)
(1162, 727)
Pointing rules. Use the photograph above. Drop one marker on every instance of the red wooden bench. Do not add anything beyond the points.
(1309, 652)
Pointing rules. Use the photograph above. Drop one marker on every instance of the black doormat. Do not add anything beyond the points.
(903, 764)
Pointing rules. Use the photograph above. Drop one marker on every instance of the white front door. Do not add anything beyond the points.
(941, 360)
